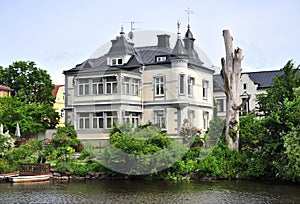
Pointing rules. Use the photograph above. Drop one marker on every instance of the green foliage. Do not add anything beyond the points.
(65, 136)
(280, 106)
(32, 104)
(26, 153)
(188, 131)
(291, 171)
(6, 143)
(141, 149)
(30, 84)
(32, 118)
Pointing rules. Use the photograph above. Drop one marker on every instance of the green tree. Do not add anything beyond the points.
(32, 118)
(30, 84)
(280, 116)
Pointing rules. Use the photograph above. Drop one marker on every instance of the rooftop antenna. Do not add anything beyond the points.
(132, 28)
(189, 11)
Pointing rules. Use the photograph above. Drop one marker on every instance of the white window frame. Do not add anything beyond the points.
(191, 83)
(220, 105)
(83, 87)
(126, 86)
(205, 89)
(160, 119)
(132, 118)
(96, 86)
(161, 58)
(159, 86)
(111, 87)
(135, 86)
(83, 121)
(116, 61)
(181, 81)
(97, 117)
(110, 118)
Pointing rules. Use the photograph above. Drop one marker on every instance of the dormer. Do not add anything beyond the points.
(120, 51)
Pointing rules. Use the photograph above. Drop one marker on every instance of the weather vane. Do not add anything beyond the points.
(189, 11)
(178, 28)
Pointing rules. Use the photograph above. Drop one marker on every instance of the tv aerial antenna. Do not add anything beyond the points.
(132, 28)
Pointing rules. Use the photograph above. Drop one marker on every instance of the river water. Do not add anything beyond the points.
(116, 191)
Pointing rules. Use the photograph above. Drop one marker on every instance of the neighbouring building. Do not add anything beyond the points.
(252, 84)
(5, 91)
(159, 84)
(59, 105)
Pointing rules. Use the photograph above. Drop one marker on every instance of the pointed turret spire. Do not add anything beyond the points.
(179, 50)
(189, 46)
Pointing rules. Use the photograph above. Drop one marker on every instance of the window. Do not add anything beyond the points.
(191, 82)
(205, 119)
(159, 86)
(132, 117)
(181, 83)
(97, 85)
(245, 86)
(116, 61)
(204, 89)
(135, 87)
(191, 116)
(84, 121)
(83, 87)
(111, 85)
(220, 105)
(160, 119)
(111, 119)
(245, 108)
(98, 120)
(120, 61)
(161, 58)
(126, 85)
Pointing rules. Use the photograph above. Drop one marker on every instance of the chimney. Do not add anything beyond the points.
(163, 41)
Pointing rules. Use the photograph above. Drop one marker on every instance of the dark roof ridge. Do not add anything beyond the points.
(262, 71)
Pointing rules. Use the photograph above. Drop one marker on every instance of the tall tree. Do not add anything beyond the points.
(231, 72)
(30, 84)
(280, 108)
(32, 102)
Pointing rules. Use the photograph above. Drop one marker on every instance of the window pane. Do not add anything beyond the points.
(80, 89)
(101, 122)
(87, 123)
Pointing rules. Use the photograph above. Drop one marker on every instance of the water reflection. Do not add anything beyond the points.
(149, 192)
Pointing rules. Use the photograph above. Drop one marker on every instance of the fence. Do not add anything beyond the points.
(34, 169)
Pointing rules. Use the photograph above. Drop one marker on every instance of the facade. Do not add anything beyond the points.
(252, 83)
(59, 93)
(5, 91)
(157, 84)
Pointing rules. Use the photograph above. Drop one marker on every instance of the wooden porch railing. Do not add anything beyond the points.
(34, 169)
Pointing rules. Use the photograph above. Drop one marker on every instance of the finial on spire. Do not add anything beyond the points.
(189, 11)
(178, 28)
(122, 30)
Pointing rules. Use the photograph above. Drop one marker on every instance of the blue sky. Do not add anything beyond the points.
(58, 34)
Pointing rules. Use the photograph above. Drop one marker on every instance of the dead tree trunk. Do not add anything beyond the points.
(231, 70)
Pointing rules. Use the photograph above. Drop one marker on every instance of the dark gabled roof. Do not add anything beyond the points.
(121, 46)
(264, 79)
(217, 82)
(141, 55)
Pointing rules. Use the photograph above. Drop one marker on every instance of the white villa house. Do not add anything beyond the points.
(252, 84)
(159, 84)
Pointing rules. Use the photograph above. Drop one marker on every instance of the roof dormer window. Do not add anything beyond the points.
(160, 58)
(116, 61)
